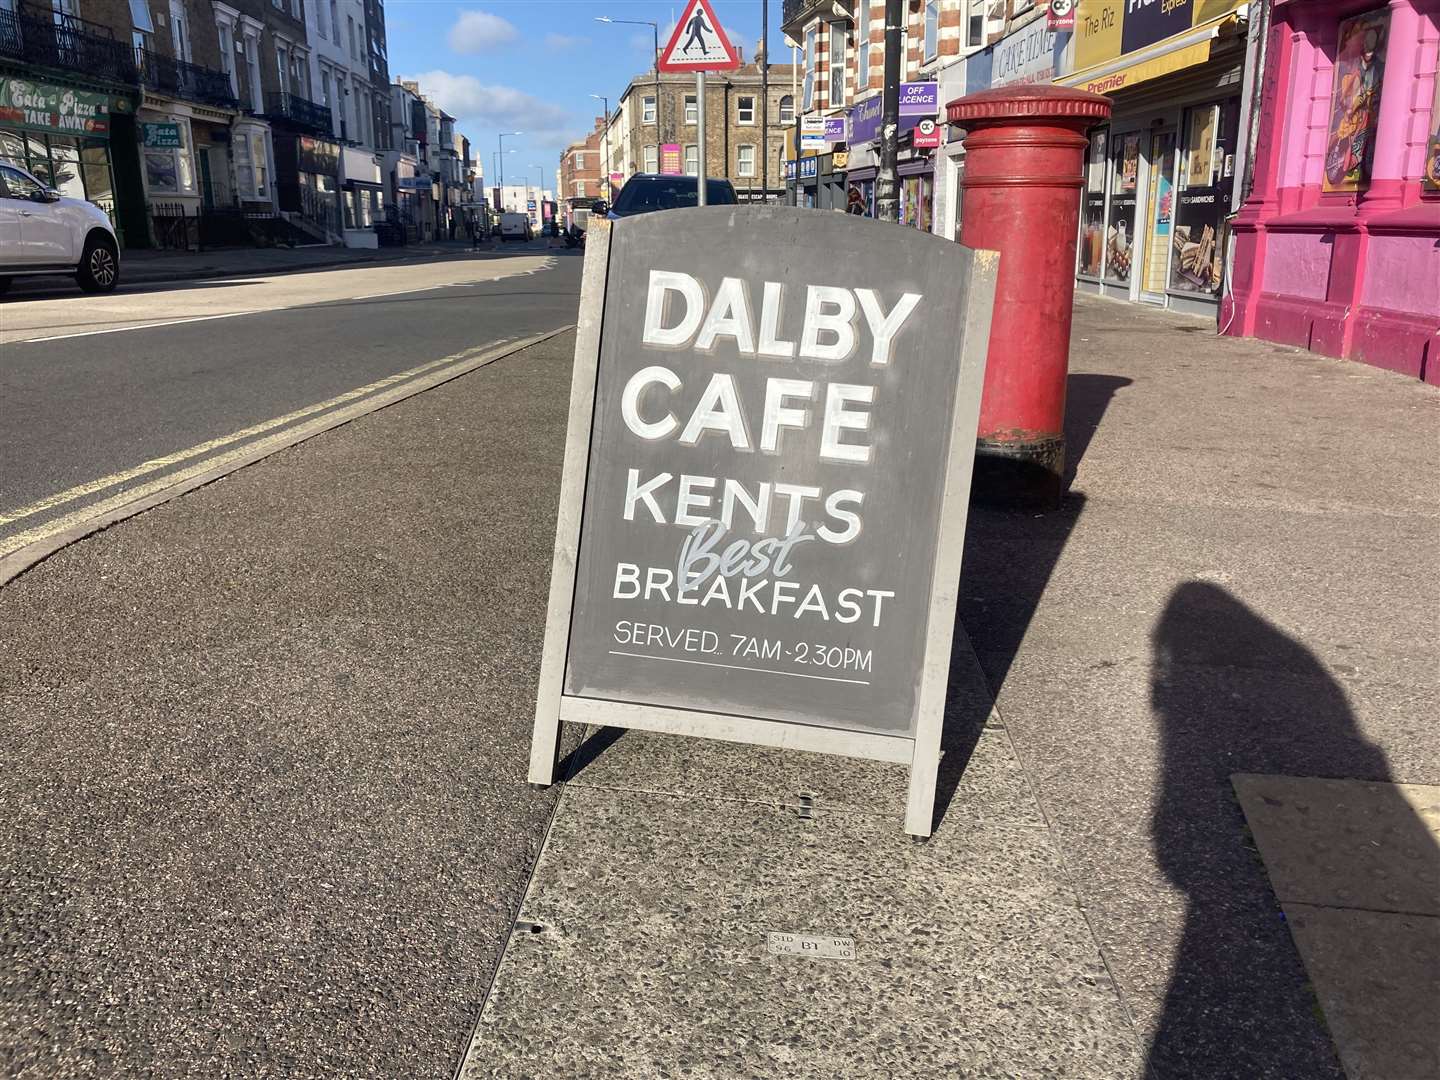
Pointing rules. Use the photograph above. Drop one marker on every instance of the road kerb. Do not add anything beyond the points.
(22, 559)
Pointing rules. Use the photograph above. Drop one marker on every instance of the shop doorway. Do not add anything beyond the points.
(1159, 216)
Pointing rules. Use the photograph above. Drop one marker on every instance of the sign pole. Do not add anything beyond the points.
(887, 191)
(700, 134)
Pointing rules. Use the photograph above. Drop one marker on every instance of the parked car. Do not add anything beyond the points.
(646, 192)
(44, 232)
(514, 226)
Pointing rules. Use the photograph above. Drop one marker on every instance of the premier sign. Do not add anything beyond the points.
(765, 485)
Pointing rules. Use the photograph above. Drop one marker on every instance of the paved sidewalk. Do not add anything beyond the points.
(146, 268)
(265, 813)
(1238, 584)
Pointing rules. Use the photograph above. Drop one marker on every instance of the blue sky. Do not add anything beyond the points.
(531, 65)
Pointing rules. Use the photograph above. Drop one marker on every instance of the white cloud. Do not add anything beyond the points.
(479, 107)
(564, 42)
(476, 31)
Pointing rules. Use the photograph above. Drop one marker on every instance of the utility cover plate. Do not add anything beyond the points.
(825, 948)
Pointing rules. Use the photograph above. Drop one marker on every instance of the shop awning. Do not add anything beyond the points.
(1189, 49)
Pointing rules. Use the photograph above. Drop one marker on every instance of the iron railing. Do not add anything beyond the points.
(67, 44)
(299, 111)
(794, 12)
(188, 82)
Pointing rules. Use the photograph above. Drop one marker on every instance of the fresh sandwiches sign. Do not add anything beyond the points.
(46, 107)
(772, 450)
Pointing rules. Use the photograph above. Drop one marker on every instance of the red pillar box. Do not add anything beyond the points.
(1024, 162)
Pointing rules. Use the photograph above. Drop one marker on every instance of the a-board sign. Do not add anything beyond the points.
(772, 429)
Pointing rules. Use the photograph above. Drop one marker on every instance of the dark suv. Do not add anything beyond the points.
(645, 192)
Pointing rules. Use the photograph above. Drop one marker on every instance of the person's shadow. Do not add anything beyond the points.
(1232, 694)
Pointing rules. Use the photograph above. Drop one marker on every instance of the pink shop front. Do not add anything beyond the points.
(1337, 247)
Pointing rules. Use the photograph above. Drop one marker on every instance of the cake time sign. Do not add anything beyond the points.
(759, 474)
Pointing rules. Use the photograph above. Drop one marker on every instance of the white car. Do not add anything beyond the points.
(43, 232)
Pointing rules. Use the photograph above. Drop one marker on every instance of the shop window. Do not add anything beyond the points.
(787, 110)
(836, 35)
(745, 110)
(12, 148)
(1206, 181)
(1430, 181)
(1092, 208)
(932, 29)
(647, 110)
(1355, 100)
(95, 170)
(65, 166)
(1124, 193)
(745, 161)
(38, 155)
(171, 170)
(692, 110)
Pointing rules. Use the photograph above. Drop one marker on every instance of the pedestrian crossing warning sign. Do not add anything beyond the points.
(698, 43)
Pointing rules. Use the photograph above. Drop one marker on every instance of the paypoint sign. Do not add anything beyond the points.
(766, 484)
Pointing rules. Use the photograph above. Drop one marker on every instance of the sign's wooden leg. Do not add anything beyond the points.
(545, 747)
(920, 804)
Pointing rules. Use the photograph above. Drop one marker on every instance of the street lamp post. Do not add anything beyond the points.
(501, 141)
(605, 149)
(655, 29)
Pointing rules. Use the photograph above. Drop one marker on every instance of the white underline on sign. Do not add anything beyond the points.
(738, 667)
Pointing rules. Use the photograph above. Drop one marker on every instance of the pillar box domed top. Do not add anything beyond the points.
(1031, 101)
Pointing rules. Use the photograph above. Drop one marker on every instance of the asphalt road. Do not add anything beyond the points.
(263, 811)
(102, 397)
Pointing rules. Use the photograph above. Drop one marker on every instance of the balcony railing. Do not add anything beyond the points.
(794, 13)
(68, 44)
(189, 82)
(298, 111)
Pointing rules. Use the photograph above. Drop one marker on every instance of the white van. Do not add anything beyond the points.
(514, 226)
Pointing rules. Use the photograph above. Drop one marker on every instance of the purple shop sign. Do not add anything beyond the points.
(835, 129)
(919, 99)
(865, 117)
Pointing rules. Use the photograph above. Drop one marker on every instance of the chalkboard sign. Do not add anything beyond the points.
(771, 435)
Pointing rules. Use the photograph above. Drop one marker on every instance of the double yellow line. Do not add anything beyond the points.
(159, 474)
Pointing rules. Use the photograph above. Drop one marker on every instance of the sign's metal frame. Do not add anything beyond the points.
(922, 752)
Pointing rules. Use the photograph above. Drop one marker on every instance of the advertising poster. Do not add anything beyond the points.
(1198, 238)
(671, 163)
(1120, 235)
(1355, 101)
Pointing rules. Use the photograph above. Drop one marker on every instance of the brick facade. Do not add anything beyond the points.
(732, 131)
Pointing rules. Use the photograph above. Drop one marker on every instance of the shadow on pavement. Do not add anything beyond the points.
(1231, 693)
(1009, 557)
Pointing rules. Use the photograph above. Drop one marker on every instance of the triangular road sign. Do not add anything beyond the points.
(698, 43)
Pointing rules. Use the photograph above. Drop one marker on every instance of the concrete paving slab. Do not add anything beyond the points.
(1096, 580)
(643, 951)
(981, 783)
(1347, 843)
(979, 778)
(1195, 420)
(1377, 975)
